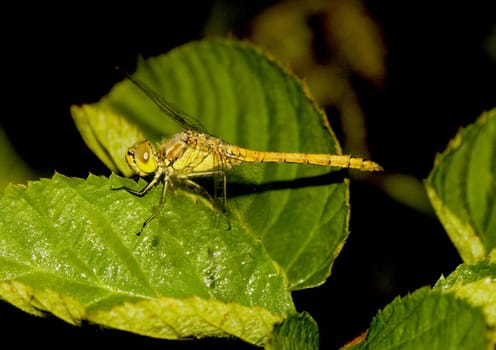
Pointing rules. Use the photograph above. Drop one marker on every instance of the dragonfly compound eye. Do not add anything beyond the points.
(142, 158)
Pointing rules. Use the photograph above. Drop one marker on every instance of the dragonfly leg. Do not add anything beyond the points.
(219, 176)
(160, 205)
(220, 189)
(145, 189)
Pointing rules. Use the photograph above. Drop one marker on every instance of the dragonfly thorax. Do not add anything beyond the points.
(191, 152)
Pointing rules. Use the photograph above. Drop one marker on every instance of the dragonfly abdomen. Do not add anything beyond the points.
(336, 160)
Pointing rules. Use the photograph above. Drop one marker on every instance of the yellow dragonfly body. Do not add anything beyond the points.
(194, 153)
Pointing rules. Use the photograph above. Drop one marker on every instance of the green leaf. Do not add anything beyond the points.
(299, 212)
(69, 247)
(477, 285)
(427, 320)
(462, 189)
(466, 274)
(298, 332)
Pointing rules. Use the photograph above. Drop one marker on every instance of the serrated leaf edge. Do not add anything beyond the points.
(173, 318)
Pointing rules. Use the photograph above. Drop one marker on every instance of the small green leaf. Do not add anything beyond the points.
(477, 285)
(408, 190)
(12, 168)
(238, 94)
(462, 189)
(427, 320)
(69, 247)
(298, 332)
(465, 274)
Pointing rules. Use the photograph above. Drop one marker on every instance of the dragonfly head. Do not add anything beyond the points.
(142, 158)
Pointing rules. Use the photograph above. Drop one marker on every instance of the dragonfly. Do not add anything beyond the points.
(194, 153)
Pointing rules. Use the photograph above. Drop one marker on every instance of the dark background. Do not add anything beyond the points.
(439, 78)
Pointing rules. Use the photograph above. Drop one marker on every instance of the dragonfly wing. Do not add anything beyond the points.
(185, 121)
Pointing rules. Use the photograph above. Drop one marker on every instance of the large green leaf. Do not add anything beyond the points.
(69, 246)
(462, 189)
(238, 94)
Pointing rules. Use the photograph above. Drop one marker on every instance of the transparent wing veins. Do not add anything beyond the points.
(185, 121)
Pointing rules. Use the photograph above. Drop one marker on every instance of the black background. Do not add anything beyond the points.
(439, 79)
